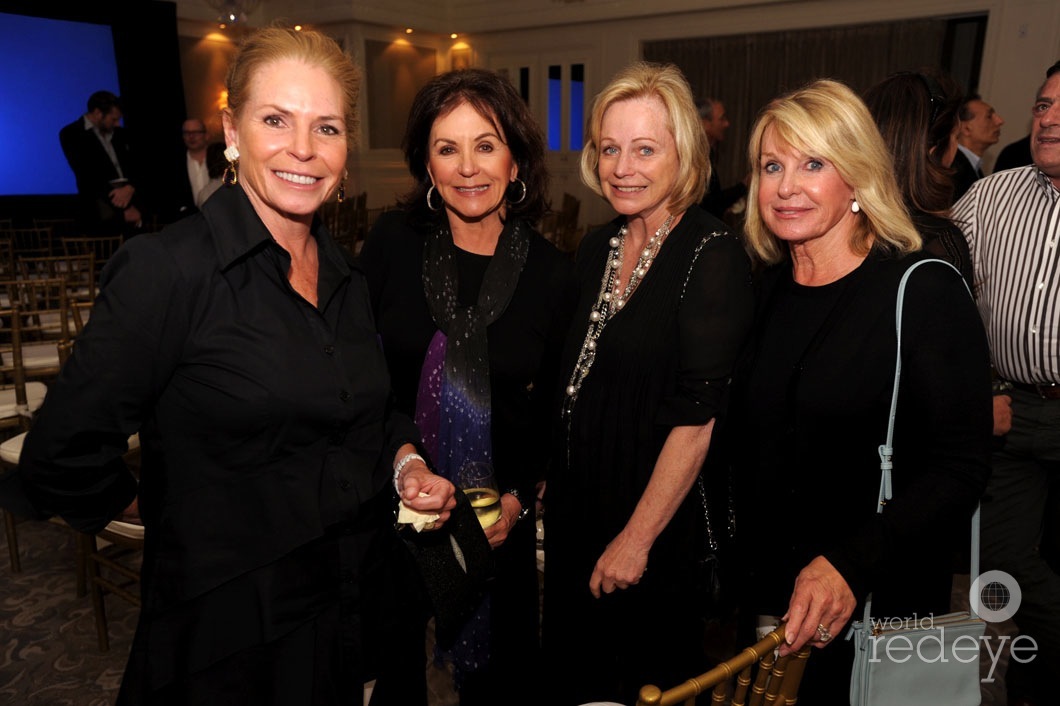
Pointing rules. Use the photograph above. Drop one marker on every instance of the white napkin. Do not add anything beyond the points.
(418, 520)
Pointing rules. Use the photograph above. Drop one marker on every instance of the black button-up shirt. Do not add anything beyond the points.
(263, 420)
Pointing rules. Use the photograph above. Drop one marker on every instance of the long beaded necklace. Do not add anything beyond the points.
(611, 300)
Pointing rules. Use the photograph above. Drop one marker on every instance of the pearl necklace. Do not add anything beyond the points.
(611, 300)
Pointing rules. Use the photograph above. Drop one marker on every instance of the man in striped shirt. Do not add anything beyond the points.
(1012, 222)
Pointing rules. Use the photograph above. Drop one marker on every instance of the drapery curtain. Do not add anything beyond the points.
(746, 71)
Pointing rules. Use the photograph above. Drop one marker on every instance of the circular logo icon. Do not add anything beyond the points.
(995, 596)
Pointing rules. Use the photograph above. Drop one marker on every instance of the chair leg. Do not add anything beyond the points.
(82, 563)
(11, 533)
(99, 608)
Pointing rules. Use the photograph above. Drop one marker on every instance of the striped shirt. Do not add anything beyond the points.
(1012, 222)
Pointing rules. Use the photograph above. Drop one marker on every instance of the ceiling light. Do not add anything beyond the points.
(233, 11)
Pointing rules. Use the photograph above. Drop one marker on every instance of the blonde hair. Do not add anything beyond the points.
(644, 79)
(826, 119)
(314, 48)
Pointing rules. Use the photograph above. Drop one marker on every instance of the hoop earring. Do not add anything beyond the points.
(855, 207)
(231, 175)
(522, 196)
(429, 192)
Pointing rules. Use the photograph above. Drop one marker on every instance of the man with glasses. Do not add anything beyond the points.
(196, 174)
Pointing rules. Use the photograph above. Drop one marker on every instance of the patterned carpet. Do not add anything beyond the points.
(49, 655)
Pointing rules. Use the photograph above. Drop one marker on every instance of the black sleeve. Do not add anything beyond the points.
(715, 316)
(71, 462)
(945, 385)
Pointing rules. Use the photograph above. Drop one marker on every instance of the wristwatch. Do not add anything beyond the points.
(525, 512)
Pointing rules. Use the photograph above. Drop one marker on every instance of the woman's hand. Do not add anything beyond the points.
(438, 492)
(622, 565)
(821, 598)
(498, 531)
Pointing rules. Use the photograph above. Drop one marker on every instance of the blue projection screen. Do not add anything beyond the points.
(51, 67)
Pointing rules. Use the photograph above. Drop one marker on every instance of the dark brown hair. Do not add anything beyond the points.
(494, 98)
(916, 113)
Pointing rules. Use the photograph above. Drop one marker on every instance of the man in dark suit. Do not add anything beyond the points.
(980, 128)
(98, 151)
(715, 123)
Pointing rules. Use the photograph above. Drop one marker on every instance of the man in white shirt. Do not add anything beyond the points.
(194, 133)
(1012, 222)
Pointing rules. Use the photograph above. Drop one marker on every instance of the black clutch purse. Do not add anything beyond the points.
(456, 565)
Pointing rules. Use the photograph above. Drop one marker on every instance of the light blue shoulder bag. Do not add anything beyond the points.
(931, 660)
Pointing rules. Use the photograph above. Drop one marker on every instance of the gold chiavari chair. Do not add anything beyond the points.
(79, 273)
(45, 318)
(754, 677)
(102, 248)
(60, 227)
(31, 242)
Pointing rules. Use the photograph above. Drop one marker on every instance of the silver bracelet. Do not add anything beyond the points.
(400, 465)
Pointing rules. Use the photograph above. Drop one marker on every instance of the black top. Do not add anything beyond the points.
(264, 425)
(664, 360)
(944, 240)
(810, 408)
(524, 343)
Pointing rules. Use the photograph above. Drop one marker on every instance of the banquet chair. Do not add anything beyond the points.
(60, 227)
(79, 272)
(754, 677)
(102, 248)
(112, 557)
(31, 242)
(19, 399)
(11, 453)
(8, 267)
(44, 319)
(109, 560)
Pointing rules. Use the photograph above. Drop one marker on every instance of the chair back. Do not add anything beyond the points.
(754, 677)
(19, 399)
(101, 247)
(60, 227)
(45, 317)
(31, 242)
(78, 271)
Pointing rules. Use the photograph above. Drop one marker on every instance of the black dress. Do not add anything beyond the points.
(524, 347)
(267, 437)
(810, 409)
(663, 361)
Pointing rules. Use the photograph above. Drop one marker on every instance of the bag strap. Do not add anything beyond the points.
(886, 449)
